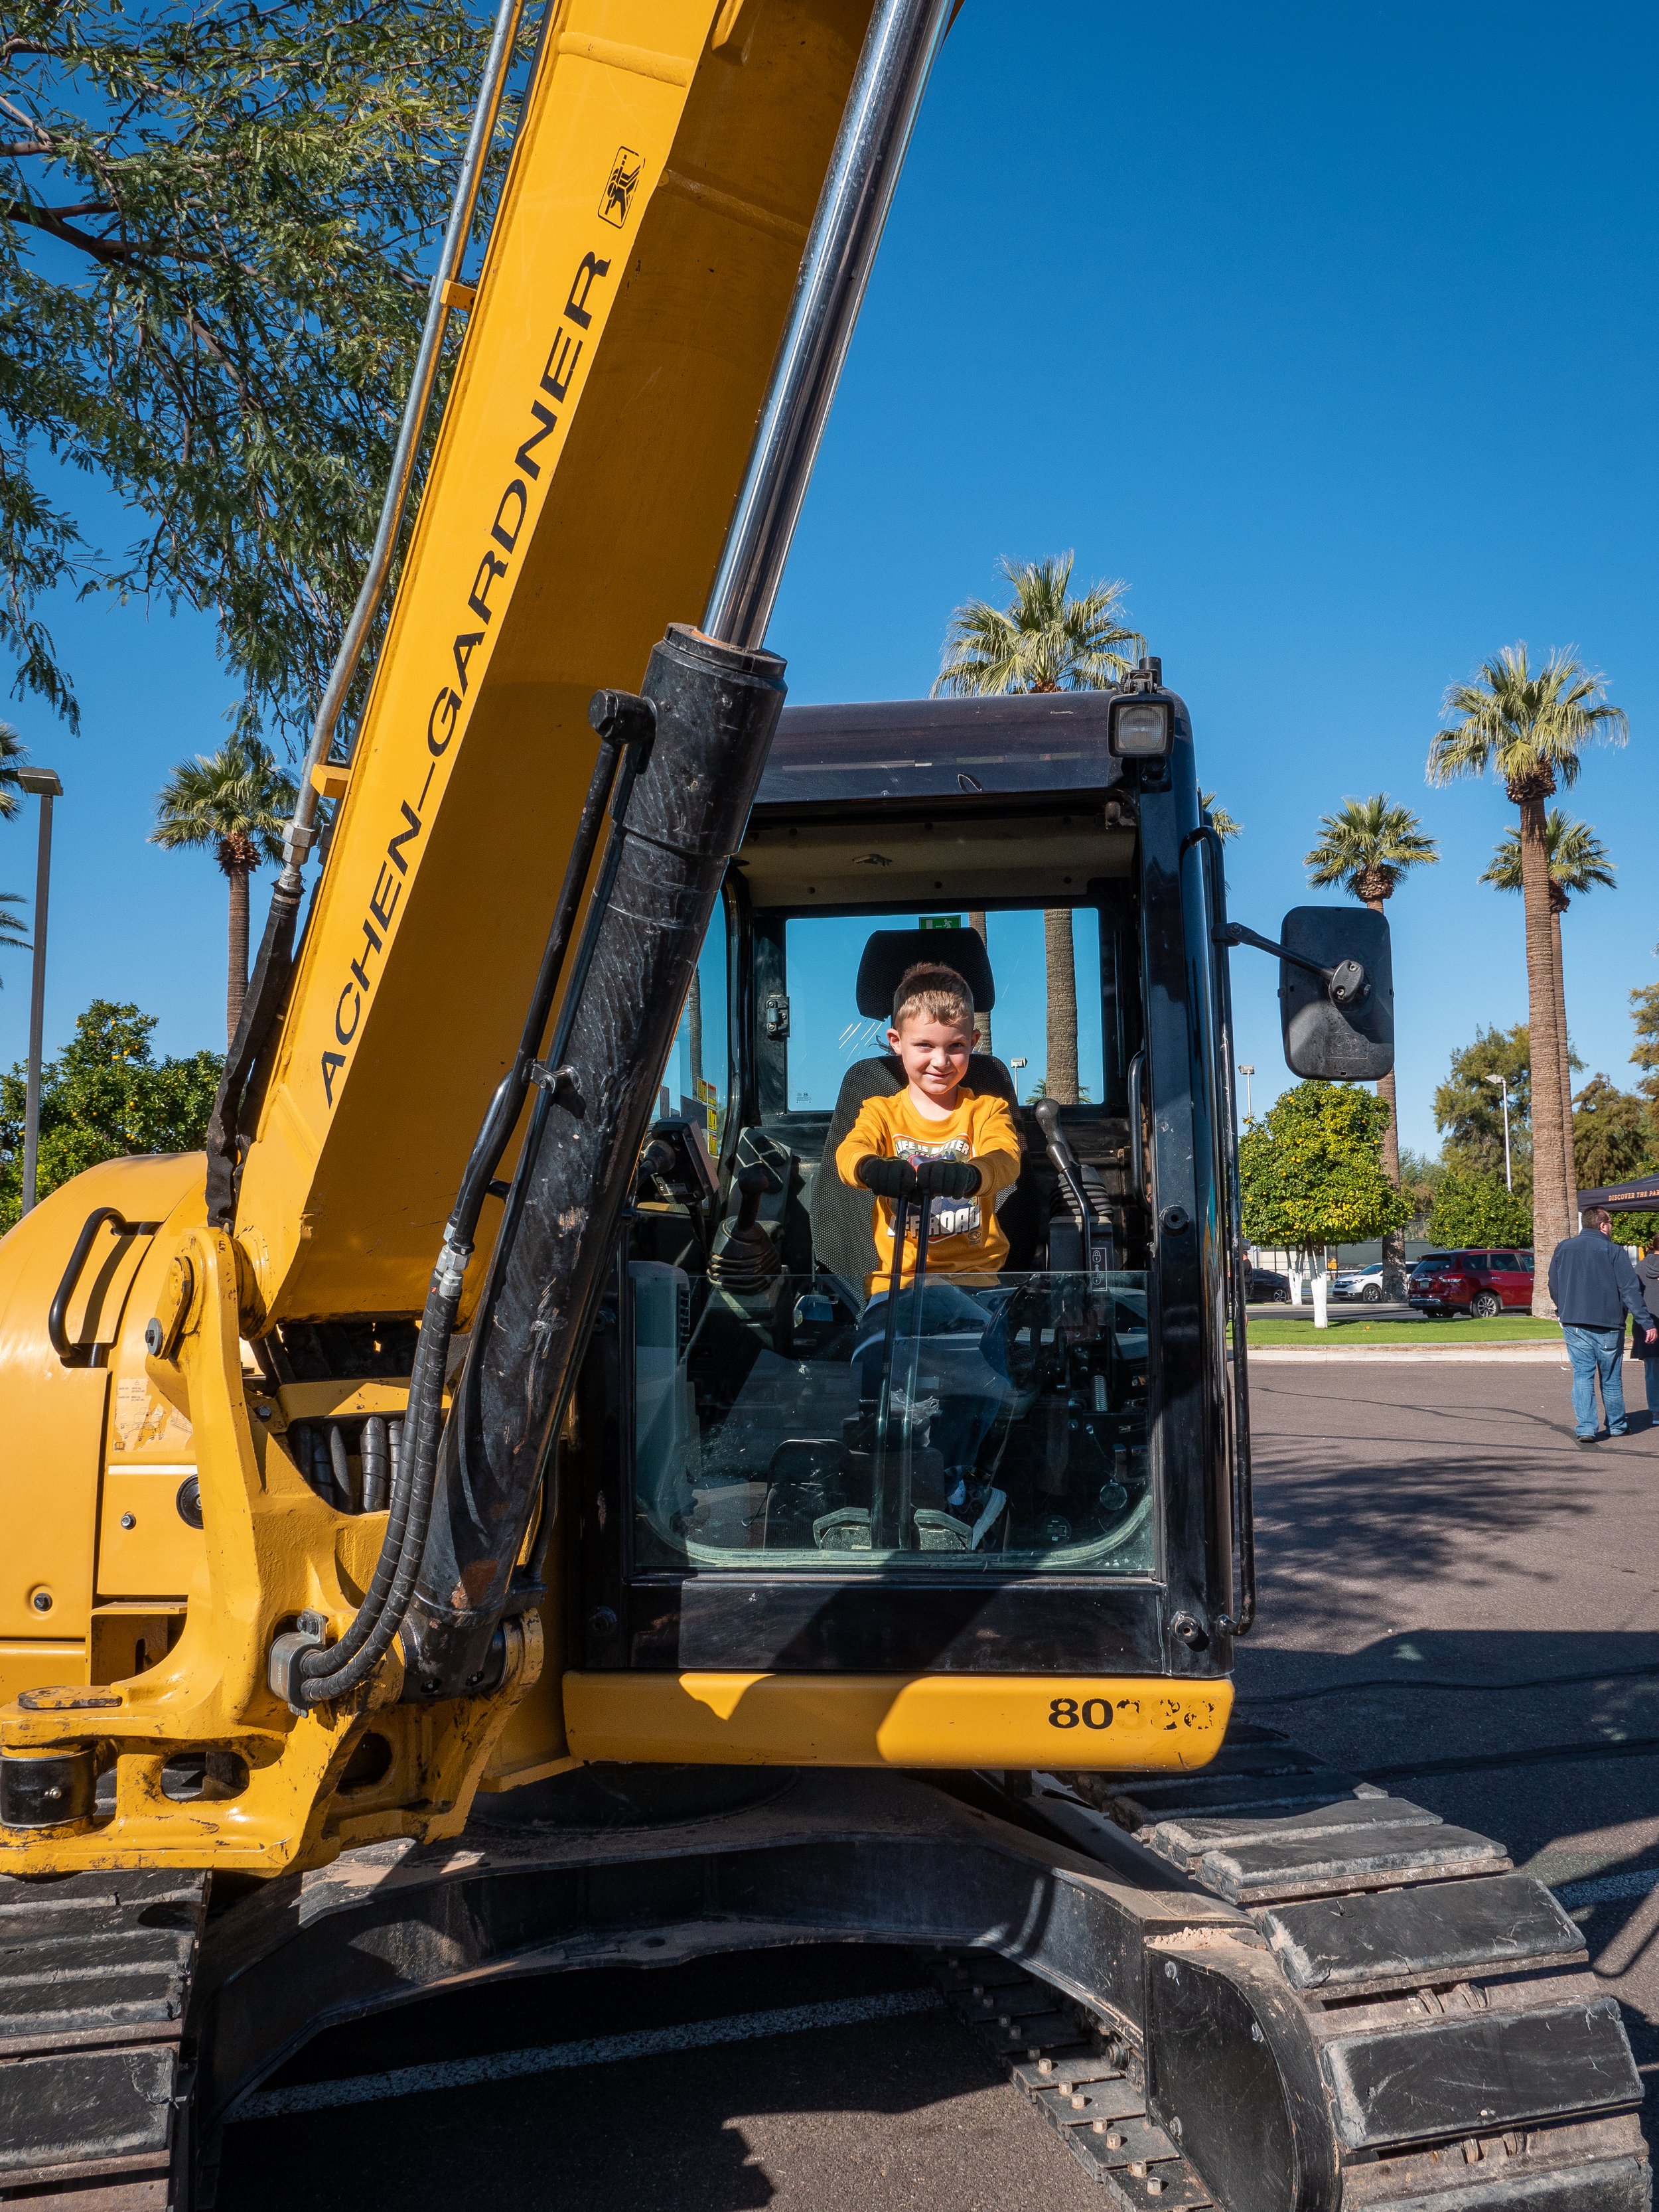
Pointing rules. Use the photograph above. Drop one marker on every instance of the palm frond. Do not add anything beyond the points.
(1576, 857)
(13, 754)
(1524, 722)
(236, 798)
(1368, 844)
(11, 925)
(1217, 816)
(1046, 639)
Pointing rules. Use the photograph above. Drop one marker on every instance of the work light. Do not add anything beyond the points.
(1138, 727)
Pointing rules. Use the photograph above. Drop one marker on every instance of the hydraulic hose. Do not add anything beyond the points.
(333, 1671)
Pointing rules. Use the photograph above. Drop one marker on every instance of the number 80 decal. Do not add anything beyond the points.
(1066, 1713)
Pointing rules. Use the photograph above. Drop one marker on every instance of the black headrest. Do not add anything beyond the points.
(891, 951)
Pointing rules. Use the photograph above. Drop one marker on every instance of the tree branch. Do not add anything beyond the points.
(38, 218)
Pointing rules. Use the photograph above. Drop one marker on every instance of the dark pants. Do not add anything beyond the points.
(941, 1340)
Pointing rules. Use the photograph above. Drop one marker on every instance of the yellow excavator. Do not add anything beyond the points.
(477, 1521)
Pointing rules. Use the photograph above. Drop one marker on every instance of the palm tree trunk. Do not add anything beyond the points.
(1564, 1052)
(236, 982)
(1061, 1075)
(1394, 1244)
(694, 1024)
(1549, 1213)
(981, 1019)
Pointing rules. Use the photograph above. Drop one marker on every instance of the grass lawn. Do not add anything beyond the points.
(1353, 1332)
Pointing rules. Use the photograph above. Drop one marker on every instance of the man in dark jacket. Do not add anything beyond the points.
(1594, 1286)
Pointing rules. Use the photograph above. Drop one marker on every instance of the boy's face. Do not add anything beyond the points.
(933, 1054)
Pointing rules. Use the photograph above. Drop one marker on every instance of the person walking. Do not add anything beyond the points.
(1594, 1286)
(1647, 1350)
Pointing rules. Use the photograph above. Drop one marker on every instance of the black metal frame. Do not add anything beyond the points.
(901, 1619)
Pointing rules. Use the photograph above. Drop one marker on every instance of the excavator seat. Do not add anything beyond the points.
(844, 1239)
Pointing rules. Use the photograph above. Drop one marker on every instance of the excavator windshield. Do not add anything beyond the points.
(784, 1402)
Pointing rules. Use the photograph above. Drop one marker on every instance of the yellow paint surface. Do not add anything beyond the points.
(880, 1720)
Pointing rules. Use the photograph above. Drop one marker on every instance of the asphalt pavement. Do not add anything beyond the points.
(1454, 1599)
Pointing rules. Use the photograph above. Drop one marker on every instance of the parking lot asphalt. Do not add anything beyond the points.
(1454, 1599)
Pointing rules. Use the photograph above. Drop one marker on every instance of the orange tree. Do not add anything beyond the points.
(1311, 1170)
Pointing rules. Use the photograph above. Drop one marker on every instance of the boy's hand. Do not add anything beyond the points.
(887, 1178)
(948, 1178)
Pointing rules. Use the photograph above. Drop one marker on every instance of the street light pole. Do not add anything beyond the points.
(44, 784)
(1247, 1072)
(1509, 1179)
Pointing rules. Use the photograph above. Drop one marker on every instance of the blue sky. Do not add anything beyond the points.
(1332, 330)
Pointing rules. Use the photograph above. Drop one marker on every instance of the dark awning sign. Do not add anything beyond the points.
(1641, 1197)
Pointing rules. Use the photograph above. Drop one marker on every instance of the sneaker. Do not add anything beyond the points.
(1585, 1443)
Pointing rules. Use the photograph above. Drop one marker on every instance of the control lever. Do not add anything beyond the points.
(744, 1260)
(1097, 1232)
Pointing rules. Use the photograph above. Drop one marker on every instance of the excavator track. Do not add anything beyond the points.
(95, 1972)
(1466, 2061)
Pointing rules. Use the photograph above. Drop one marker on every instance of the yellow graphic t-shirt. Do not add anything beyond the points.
(963, 1236)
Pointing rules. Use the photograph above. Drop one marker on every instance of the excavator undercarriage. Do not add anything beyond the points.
(1241, 1990)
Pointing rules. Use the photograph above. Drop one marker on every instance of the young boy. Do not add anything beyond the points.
(940, 1145)
(935, 1142)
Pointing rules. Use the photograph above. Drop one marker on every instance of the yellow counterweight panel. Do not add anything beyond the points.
(1123, 1722)
(629, 306)
(52, 1432)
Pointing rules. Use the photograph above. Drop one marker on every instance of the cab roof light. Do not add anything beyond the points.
(1140, 720)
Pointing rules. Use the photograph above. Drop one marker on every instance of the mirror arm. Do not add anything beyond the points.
(1234, 933)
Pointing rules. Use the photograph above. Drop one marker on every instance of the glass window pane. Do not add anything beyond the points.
(697, 1082)
(958, 1428)
(822, 954)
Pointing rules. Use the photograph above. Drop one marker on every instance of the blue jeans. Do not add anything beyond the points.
(1597, 1351)
(960, 1365)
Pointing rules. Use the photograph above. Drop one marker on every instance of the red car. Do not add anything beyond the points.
(1480, 1284)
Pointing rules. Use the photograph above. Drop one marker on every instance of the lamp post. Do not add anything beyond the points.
(1502, 1085)
(1247, 1072)
(43, 783)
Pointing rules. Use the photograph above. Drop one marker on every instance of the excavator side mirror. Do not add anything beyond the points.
(1336, 994)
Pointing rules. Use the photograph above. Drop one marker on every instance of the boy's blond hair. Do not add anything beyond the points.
(932, 991)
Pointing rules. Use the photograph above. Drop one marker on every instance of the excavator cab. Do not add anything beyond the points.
(1031, 1473)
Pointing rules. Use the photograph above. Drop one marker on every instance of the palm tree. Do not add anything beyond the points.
(1218, 817)
(1046, 639)
(1530, 725)
(1578, 861)
(1367, 846)
(981, 1019)
(239, 801)
(13, 753)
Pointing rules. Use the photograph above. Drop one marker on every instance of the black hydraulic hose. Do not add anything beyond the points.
(376, 1463)
(504, 1107)
(333, 1671)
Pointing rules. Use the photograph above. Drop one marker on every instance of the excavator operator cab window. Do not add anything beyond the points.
(786, 1412)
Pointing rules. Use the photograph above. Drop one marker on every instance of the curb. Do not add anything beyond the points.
(1525, 1355)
